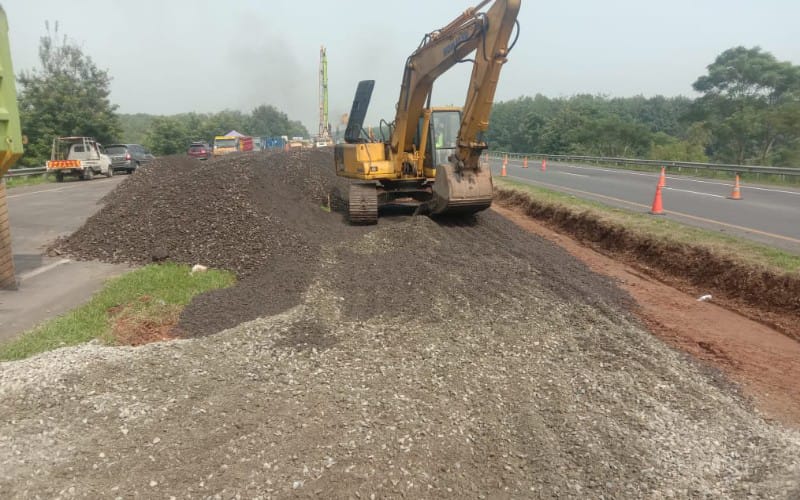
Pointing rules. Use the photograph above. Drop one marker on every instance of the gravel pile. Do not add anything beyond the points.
(239, 212)
(422, 359)
(257, 214)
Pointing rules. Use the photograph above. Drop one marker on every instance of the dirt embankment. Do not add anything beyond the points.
(766, 296)
(418, 358)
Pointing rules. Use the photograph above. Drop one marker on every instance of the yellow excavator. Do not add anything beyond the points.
(432, 154)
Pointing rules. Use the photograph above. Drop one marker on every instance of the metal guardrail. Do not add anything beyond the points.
(24, 172)
(753, 169)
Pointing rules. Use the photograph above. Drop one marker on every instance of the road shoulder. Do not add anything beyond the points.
(51, 290)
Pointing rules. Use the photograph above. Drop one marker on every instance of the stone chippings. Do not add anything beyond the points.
(422, 359)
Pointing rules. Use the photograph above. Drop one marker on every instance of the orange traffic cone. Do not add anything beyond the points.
(662, 181)
(658, 206)
(503, 170)
(737, 193)
(525, 162)
(544, 164)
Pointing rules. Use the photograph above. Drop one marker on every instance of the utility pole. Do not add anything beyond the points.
(324, 132)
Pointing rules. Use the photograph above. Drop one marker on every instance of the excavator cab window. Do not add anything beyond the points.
(444, 134)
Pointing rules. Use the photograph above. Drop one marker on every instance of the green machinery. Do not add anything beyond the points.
(10, 149)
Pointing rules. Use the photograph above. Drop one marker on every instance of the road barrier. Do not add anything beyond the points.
(25, 172)
(736, 194)
(736, 169)
(658, 203)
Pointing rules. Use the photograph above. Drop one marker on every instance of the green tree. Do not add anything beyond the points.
(68, 95)
(168, 135)
(691, 148)
(750, 101)
(268, 121)
(135, 127)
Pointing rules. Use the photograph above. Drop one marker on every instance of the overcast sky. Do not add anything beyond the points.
(171, 56)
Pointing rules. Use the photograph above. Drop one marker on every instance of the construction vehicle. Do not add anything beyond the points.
(432, 155)
(10, 150)
(324, 137)
(79, 156)
(232, 142)
(274, 143)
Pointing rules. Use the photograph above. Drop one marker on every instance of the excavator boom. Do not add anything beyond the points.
(446, 176)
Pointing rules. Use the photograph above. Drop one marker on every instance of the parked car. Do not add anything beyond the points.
(128, 157)
(200, 150)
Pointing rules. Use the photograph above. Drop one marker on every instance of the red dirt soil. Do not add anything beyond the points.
(765, 362)
(131, 327)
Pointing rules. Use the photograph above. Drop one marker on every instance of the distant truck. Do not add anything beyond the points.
(300, 143)
(225, 144)
(82, 157)
(274, 143)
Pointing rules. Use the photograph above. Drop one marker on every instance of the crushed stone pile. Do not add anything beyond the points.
(418, 358)
(238, 212)
(257, 214)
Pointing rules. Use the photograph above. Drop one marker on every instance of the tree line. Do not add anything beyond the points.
(68, 95)
(748, 112)
(166, 135)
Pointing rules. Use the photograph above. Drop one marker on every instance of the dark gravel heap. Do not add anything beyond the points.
(257, 214)
(215, 212)
(260, 215)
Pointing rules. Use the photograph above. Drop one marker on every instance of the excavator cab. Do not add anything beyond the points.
(442, 136)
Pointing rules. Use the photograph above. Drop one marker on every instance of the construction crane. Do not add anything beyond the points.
(432, 155)
(324, 133)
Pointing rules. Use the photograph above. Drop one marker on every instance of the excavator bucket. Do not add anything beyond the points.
(459, 192)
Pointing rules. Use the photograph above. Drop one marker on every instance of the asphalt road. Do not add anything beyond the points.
(767, 214)
(49, 286)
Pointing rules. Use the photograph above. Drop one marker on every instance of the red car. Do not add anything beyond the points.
(200, 150)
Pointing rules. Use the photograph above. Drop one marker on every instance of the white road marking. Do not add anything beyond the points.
(53, 190)
(43, 269)
(693, 192)
(574, 175)
(38, 192)
(572, 191)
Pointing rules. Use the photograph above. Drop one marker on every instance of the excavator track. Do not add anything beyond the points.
(363, 204)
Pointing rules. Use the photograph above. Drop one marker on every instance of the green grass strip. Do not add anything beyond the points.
(144, 291)
(736, 248)
(29, 180)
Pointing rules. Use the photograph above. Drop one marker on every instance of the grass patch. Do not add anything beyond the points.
(29, 180)
(738, 249)
(138, 307)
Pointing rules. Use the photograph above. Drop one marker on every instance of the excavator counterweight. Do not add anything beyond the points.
(432, 154)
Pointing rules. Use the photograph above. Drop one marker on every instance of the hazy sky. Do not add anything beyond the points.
(171, 56)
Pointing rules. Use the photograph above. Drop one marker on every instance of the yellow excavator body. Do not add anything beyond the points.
(432, 154)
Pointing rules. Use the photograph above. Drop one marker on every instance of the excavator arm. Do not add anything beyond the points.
(403, 166)
(487, 34)
(460, 185)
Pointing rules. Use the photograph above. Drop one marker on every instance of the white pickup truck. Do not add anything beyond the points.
(79, 156)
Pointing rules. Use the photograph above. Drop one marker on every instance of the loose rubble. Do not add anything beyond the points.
(419, 358)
